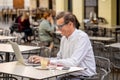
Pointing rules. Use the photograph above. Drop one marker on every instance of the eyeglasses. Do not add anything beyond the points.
(60, 26)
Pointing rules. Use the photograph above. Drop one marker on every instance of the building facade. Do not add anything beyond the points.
(105, 8)
(81, 8)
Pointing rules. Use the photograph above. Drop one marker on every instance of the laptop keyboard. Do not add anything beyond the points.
(31, 63)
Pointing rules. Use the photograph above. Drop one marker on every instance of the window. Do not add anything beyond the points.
(89, 6)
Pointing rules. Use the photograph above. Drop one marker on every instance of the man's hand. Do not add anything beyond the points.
(34, 59)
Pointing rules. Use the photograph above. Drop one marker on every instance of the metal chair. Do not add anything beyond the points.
(100, 49)
(10, 78)
(14, 27)
(103, 67)
(103, 70)
(45, 51)
(4, 76)
(115, 61)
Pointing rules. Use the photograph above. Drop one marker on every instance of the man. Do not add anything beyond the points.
(75, 47)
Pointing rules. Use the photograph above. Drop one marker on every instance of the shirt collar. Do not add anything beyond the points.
(72, 35)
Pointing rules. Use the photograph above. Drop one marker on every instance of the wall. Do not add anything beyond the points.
(61, 5)
(6, 4)
(107, 9)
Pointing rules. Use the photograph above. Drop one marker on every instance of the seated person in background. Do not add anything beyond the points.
(75, 47)
(46, 29)
(25, 27)
(93, 20)
(93, 17)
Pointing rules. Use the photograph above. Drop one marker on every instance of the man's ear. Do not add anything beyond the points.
(70, 23)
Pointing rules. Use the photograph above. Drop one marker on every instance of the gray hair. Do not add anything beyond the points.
(68, 17)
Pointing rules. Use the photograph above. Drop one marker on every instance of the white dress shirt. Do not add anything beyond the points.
(76, 50)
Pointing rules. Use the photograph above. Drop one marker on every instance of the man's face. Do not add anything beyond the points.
(64, 28)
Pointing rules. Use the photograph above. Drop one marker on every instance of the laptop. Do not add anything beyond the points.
(19, 55)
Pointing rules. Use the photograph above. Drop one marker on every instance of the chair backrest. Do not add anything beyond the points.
(11, 78)
(15, 26)
(115, 56)
(99, 48)
(103, 67)
(98, 45)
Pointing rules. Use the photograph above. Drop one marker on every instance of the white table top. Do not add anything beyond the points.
(101, 38)
(110, 27)
(107, 26)
(8, 48)
(18, 69)
(7, 37)
(116, 45)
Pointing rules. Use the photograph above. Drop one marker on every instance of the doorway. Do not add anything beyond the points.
(18, 4)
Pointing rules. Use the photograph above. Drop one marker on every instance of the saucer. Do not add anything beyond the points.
(40, 68)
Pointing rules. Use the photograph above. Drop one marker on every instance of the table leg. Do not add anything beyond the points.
(116, 35)
(104, 31)
(7, 57)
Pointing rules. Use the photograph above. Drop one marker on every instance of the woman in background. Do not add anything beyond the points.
(25, 27)
(46, 28)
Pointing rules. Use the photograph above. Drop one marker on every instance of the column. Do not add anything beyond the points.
(44, 3)
(61, 5)
(78, 10)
